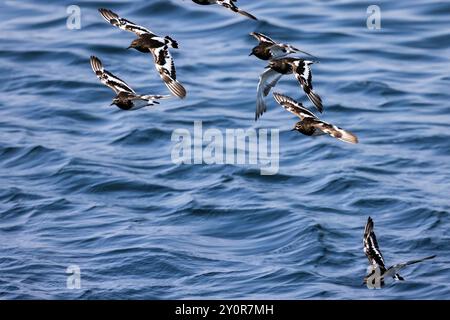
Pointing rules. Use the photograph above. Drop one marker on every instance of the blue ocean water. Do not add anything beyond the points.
(85, 184)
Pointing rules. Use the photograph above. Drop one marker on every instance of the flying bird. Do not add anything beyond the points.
(126, 98)
(376, 259)
(268, 49)
(302, 71)
(310, 125)
(148, 42)
(273, 73)
(229, 4)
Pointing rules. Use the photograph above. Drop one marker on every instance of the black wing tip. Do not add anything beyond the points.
(320, 108)
(280, 98)
(108, 14)
(260, 111)
(176, 88)
(369, 226)
(248, 15)
(96, 63)
(104, 11)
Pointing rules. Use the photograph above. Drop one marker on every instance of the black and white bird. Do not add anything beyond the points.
(126, 98)
(376, 259)
(148, 42)
(273, 73)
(310, 125)
(268, 49)
(229, 4)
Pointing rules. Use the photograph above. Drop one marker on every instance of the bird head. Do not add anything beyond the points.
(134, 44)
(114, 102)
(298, 126)
(255, 51)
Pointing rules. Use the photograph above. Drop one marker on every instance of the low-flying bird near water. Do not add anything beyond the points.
(376, 259)
(273, 73)
(268, 49)
(310, 125)
(148, 42)
(229, 4)
(126, 98)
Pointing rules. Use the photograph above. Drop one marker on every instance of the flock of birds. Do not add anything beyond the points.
(280, 63)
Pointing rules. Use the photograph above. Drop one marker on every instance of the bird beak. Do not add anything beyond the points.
(111, 104)
(251, 53)
(129, 47)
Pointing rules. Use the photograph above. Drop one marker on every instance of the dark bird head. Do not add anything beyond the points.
(298, 127)
(115, 102)
(134, 44)
(255, 51)
(304, 127)
(260, 52)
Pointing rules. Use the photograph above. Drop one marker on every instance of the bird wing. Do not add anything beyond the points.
(337, 133)
(280, 50)
(267, 80)
(392, 271)
(154, 97)
(166, 68)
(122, 23)
(303, 74)
(141, 101)
(229, 4)
(293, 106)
(108, 79)
(262, 38)
(371, 248)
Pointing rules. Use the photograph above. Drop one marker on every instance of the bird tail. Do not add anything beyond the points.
(171, 42)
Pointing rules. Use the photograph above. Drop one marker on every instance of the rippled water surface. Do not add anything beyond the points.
(85, 184)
